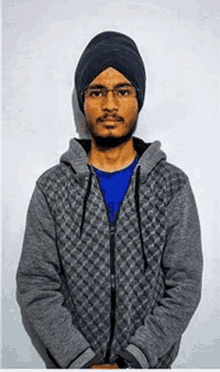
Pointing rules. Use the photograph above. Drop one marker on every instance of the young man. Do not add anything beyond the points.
(110, 272)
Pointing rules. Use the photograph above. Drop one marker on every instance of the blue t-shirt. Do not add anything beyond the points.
(114, 186)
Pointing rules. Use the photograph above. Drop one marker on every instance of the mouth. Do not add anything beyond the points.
(110, 119)
(110, 122)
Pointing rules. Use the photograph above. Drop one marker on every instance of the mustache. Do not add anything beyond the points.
(113, 117)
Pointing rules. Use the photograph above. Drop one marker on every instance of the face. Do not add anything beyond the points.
(111, 119)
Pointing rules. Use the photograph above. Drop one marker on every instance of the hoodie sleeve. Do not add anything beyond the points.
(182, 266)
(40, 294)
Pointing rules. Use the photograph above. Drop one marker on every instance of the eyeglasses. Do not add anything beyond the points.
(121, 93)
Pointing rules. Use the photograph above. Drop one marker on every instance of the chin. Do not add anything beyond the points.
(111, 141)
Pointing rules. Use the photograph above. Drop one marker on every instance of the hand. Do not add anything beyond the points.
(104, 366)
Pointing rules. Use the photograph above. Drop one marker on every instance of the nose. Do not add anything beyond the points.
(110, 103)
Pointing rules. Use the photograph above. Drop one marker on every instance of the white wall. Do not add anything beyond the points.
(179, 41)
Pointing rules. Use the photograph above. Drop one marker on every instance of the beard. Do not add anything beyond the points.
(109, 142)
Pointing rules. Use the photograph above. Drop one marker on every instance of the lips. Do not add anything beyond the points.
(110, 121)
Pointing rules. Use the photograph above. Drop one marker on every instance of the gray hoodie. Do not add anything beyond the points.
(90, 291)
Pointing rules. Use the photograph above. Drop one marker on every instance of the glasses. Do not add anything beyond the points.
(120, 93)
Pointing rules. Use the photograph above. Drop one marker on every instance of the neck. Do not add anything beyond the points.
(112, 159)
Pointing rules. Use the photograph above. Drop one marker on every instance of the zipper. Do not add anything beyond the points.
(112, 229)
(113, 291)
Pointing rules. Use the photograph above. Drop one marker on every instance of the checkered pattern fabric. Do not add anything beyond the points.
(86, 259)
(139, 291)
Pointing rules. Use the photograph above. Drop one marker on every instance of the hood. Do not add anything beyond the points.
(149, 155)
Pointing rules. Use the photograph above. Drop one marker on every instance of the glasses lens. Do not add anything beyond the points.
(95, 93)
(125, 92)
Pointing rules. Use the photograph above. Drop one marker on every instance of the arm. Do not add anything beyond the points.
(182, 265)
(41, 296)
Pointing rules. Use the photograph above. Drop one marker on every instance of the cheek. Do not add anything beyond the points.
(91, 112)
(130, 109)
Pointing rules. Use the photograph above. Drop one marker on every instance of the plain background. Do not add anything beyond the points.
(180, 44)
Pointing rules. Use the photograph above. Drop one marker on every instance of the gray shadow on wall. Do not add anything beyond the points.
(79, 118)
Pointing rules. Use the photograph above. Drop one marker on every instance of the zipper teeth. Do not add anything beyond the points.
(113, 293)
(112, 228)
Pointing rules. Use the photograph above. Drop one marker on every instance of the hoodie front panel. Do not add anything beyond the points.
(137, 286)
(140, 289)
(85, 259)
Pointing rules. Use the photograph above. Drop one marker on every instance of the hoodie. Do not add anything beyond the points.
(91, 291)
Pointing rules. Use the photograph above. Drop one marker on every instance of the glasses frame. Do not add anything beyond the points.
(115, 90)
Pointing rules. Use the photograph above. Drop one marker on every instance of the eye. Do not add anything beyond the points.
(124, 91)
(96, 93)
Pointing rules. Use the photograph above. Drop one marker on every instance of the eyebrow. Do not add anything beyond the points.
(98, 86)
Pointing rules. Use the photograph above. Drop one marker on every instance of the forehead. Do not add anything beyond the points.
(110, 77)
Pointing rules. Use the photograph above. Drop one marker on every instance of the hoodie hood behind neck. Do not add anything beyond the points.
(77, 155)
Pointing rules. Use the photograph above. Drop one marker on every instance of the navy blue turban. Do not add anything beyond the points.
(110, 49)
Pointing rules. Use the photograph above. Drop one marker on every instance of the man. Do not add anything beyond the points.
(110, 272)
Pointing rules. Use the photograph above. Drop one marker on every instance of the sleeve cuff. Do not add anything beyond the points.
(138, 359)
(84, 360)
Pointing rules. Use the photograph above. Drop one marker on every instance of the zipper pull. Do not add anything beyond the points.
(112, 230)
(113, 281)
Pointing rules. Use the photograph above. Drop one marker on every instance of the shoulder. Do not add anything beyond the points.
(54, 177)
(171, 172)
(170, 178)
